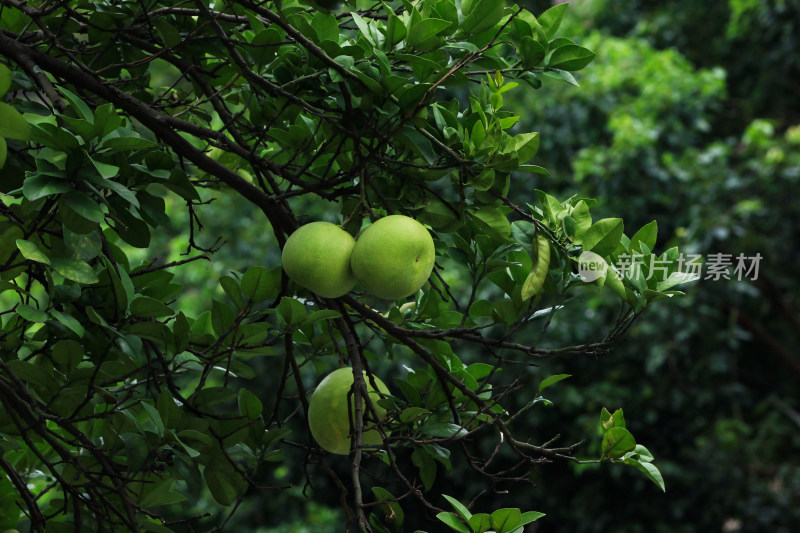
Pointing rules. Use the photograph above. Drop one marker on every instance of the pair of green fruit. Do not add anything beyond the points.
(391, 259)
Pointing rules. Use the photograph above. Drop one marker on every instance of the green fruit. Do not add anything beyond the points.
(393, 257)
(328, 414)
(317, 257)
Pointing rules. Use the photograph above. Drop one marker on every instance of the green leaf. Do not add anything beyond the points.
(223, 484)
(413, 413)
(480, 522)
(484, 180)
(31, 252)
(128, 143)
(562, 75)
(530, 516)
(5, 80)
(422, 32)
(82, 246)
(68, 353)
(603, 236)
(453, 521)
(180, 330)
(146, 307)
(12, 124)
(650, 470)
(443, 430)
(39, 185)
(161, 493)
(291, 311)
(608, 420)
(322, 314)
(495, 219)
(31, 314)
(550, 20)
(458, 506)
(108, 172)
(69, 321)
(552, 380)
(75, 270)
(249, 404)
(231, 288)
(526, 146)
(676, 278)
(257, 284)
(426, 465)
(382, 494)
(506, 520)
(222, 317)
(3, 152)
(531, 52)
(78, 105)
(647, 235)
(617, 442)
(155, 418)
(33, 374)
(571, 57)
(83, 205)
(484, 15)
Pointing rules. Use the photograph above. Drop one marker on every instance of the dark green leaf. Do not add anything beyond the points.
(249, 404)
(68, 321)
(146, 307)
(483, 16)
(571, 57)
(617, 441)
(531, 52)
(75, 270)
(257, 284)
(443, 430)
(225, 485)
(39, 185)
(395, 510)
(426, 465)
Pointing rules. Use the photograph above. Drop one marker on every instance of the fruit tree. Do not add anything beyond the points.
(120, 401)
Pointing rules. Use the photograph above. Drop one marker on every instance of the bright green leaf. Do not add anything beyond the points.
(31, 252)
(12, 124)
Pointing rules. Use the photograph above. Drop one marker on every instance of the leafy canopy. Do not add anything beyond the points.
(118, 403)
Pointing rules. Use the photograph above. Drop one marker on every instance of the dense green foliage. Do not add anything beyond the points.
(657, 136)
(156, 365)
(119, 401)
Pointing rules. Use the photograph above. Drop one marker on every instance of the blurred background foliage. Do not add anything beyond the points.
(690, 116)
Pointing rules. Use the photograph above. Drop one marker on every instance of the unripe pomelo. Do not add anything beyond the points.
(317, 257)
(328, 415)
(393, 258)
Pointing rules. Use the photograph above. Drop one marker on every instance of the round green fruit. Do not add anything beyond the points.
(317, 257)
(328, 414)
(393, 258)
